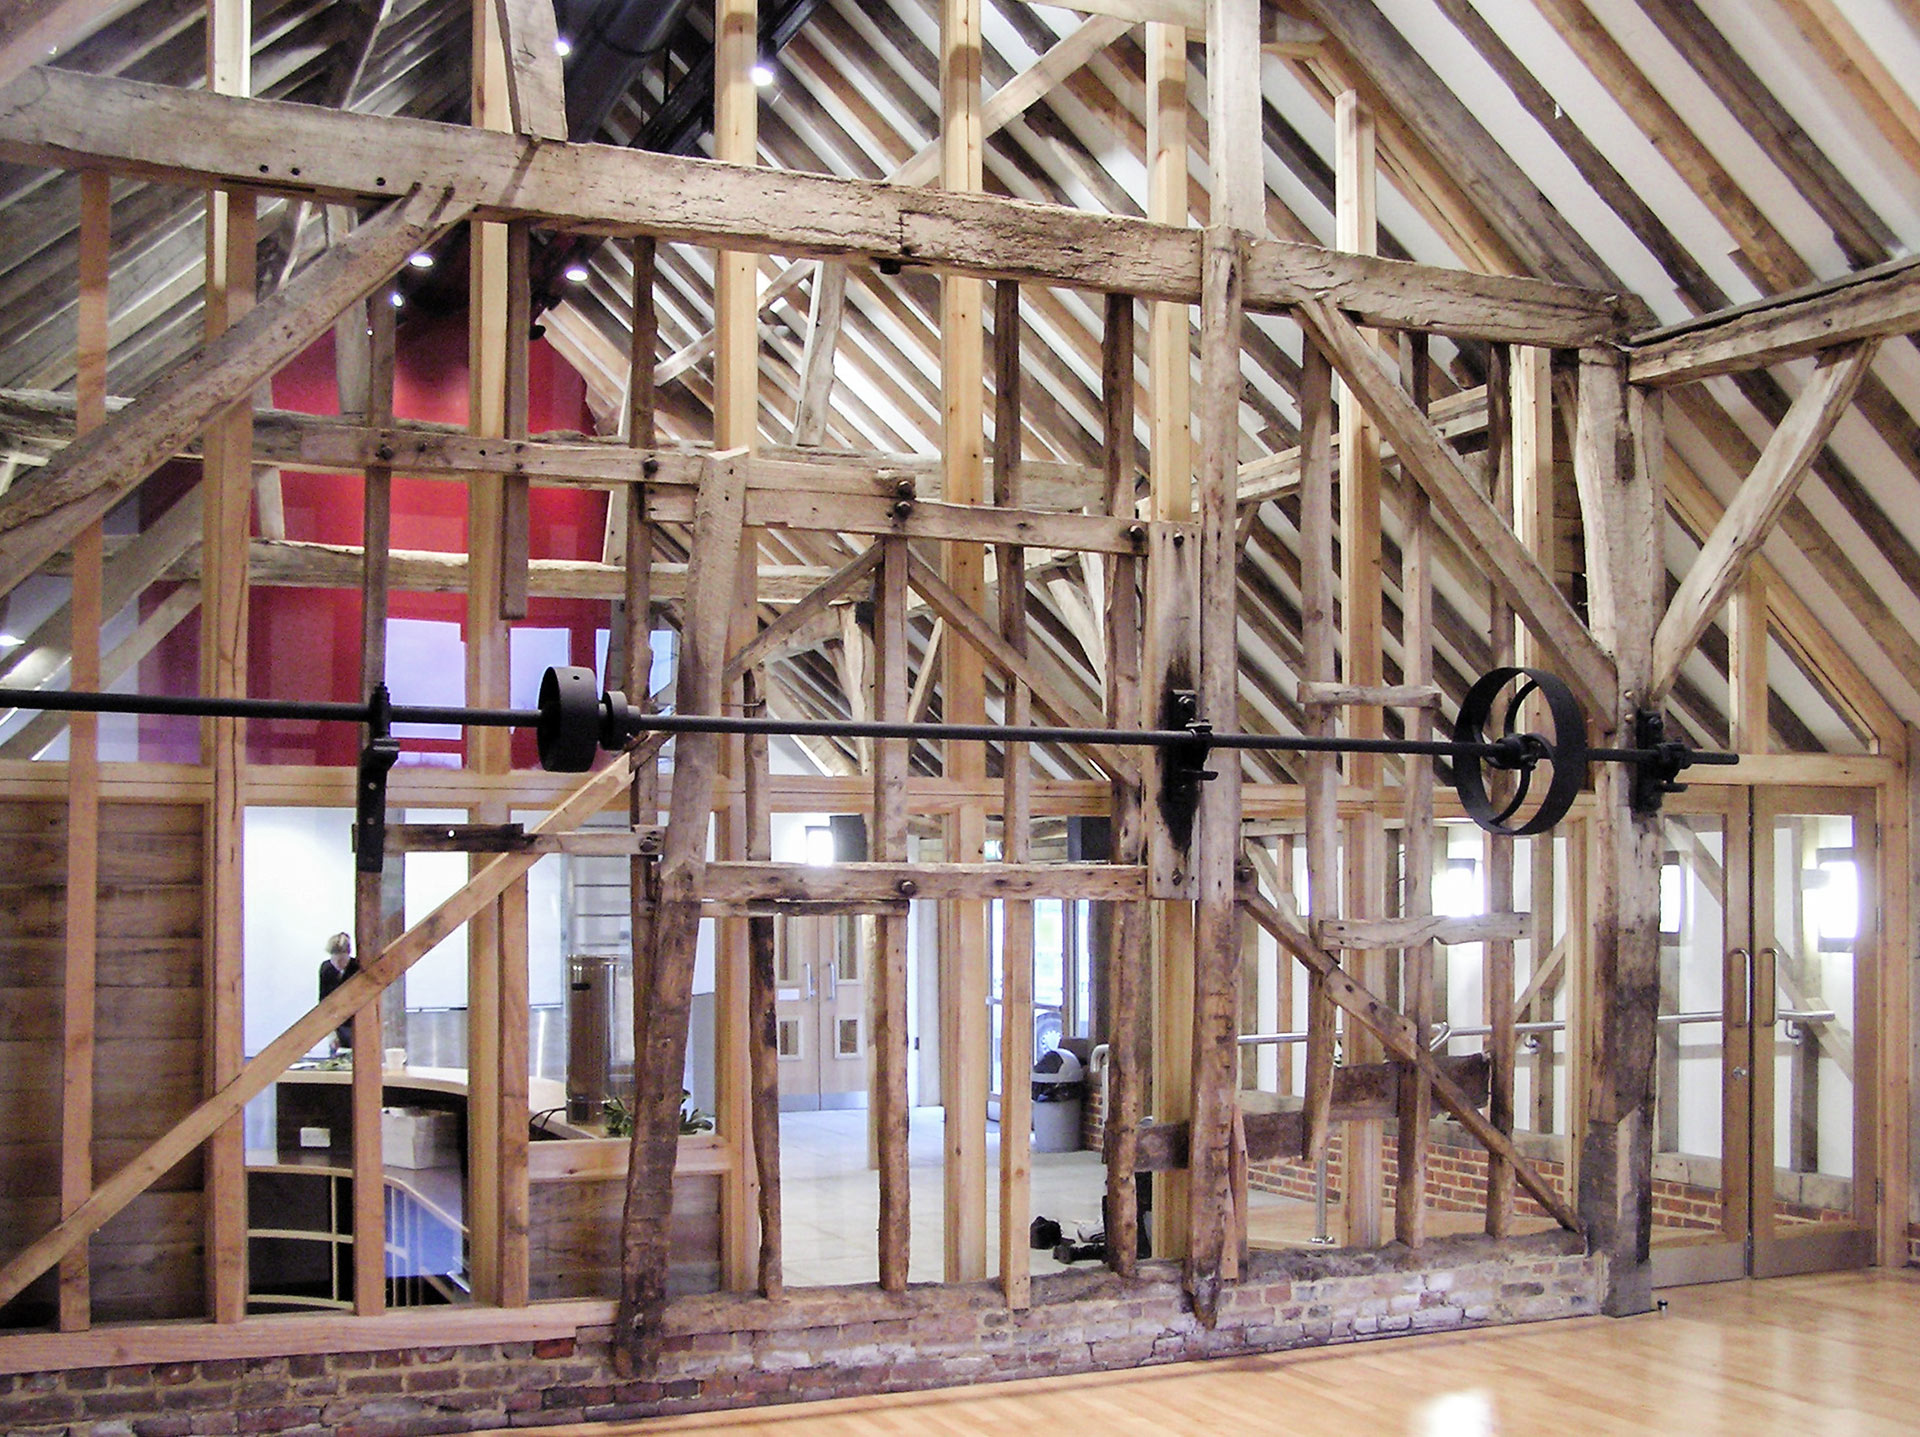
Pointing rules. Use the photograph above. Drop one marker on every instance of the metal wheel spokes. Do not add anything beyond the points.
(1518, 752)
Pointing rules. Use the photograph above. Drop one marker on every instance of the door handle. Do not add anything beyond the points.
(832, 971)
(1739, 981)
(806, 970)
(1766, 1002)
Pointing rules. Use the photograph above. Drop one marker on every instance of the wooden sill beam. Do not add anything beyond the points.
(929, 882)
(1873, 303)
(60, 118)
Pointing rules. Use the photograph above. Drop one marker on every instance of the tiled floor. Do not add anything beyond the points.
(830, 1200)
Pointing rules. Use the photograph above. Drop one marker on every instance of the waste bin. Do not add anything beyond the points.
(1059, 1086)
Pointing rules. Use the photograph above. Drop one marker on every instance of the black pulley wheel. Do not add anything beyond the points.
(1521, 753)
(569, 727)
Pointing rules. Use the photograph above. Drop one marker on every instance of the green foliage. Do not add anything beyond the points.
(619, 1117)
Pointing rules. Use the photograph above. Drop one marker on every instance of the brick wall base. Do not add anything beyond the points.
(730, 1352)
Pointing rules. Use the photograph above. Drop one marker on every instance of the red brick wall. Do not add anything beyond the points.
(733, 1352)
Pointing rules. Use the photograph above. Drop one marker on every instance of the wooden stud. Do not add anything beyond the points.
(1497, 956)
(816, 364)
(763, 1037)
(1617, 437)
(1215, 1224)
(1016, 846)
(1417, 850)
(536, 84)
(1126, 977)
(1362, 590)
(963, 942)
(660, 1061)
(1322, 769)
(516, 489)
(887, 967)
(83, 768)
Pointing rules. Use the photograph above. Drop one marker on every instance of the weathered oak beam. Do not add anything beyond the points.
(1872, 303)
(930, 882)
(62, 118)
(1736, 540)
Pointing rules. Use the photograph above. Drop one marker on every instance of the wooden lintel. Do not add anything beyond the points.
(1402, 696)
(886, 882)
(61, 117)
(1410, 932)
(1361, 1092)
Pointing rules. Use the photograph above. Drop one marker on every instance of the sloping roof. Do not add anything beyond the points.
(1695, 155)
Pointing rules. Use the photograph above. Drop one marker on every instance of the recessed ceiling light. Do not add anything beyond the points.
(420, 259)
(562, 46)
(576, 274)
(762, 74)
(11, 641)
(396, 299)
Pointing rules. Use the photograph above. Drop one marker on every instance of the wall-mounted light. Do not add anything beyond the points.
(576, 274)
(562, 46)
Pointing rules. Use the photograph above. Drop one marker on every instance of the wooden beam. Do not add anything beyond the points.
(1616, 441)
(926, 882)
(1724, 559)
(265, 1067)
(536, 84)
(1322, 770)
(1872, 303)
(1126, 977)
(60, 117)
(823, 342)
(803, 614)
(83, 771)
(660, 1060)
(1480, 529)
(93, 474)
(888, 967)
(1398, 1037)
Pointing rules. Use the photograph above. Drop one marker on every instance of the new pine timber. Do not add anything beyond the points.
(62, 118)
(94, 473)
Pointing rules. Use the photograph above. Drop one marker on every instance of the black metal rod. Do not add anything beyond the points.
(188, 707)
(635, 724)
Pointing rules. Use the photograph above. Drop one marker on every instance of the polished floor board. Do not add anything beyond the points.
(1816, 1356)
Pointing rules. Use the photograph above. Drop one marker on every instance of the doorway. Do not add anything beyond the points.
(1764, 1052)
(821, 1014)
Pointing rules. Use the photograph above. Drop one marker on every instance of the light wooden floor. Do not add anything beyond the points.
(1805, 1356)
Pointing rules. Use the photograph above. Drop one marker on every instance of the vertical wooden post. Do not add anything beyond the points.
(228, 486)
(1747, 665)
(369, 908)
(660, 1060)
(1126, 977)
(83, 767)
(1616, 445)
(736, 409)
(1216, 944)
(762, 1033)
(1166, 619)
(1322, 769)
(1361, 588)
(1016, 943)
(516, 490)
(963, 947)
(1500, 852)
(488, 749)
(1416, 988)
(888, 968)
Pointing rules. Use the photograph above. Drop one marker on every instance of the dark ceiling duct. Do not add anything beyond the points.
(612, 41)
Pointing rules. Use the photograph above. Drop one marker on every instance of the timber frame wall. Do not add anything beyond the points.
(1182, 882)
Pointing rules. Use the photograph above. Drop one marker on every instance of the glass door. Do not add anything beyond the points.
(1815, 925)
(1767, 921)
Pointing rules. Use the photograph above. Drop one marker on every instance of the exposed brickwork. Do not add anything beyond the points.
(726, 1352)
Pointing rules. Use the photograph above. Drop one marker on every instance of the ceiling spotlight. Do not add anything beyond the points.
(420, 259)
(395, 298)
(11, 641)
(761, 74)
(562, 46)
(576, 274)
